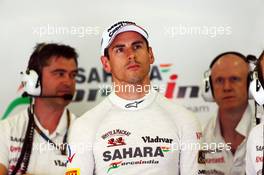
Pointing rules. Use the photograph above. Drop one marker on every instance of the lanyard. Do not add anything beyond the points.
(62, 147)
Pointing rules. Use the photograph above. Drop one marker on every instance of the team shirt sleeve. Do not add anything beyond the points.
(80, 158)
(4, 141)
(251, 151)
(191, 145)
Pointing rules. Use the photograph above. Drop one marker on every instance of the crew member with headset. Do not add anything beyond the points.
(34, 141)
(226, 83)
(255, 144)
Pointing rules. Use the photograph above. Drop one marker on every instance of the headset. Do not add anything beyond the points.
(31, 83)
(31, 78)
(257, 82)
(207, 87)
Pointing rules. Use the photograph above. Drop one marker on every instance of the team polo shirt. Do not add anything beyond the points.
(219, 159)
(128, 137)
(45, 159)
(255, 151)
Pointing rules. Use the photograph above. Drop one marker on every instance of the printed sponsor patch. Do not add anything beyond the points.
(73, 171)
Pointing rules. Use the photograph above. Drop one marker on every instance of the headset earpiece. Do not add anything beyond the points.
(249, 79)
(31, 83)
(207, 93)
(256, 88)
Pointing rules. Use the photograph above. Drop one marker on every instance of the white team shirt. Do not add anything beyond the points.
(255, 148)
(221, 160)
(128, 137)
(45, 159)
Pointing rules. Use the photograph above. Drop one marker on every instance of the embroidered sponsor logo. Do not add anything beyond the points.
(213, 172)
(115, 132)
(12, 167)
(259, 172)
(259, 159)
(215, 160)
(137, 152)
(16, 139)
(15, 149)
(111, 31)
(157, 139)
(70, 155)
(199, 135)
(73, 171)
(116, 142)
(133, 104)
(60, 163)
(15, 159)
(213, 150)
(116, 137)
(116, 165)
(165, 149)
(259, 148)
(69, 158)
(201, 157)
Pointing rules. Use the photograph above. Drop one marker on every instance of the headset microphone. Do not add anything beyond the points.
(65, 96)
